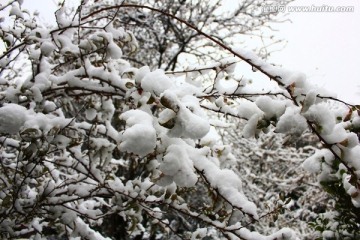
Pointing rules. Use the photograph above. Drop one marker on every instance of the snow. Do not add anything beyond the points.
(167, 118)
(250, 128)
(66, 45)
(199, 233)
(189, 121)
(61, 17)
(177, 165)
(351, 154)
(282, 234)
(225, 181)
(298, 81)
(86, 232)
(61, 141)
(338, 134)
(271, 107)
(189, 125)
(42, 82)
(47, 48)
(322, 116)
(156, 82)
(45, 122)
(12, 118)
(15, 11)
(295, 82)
(107, 110)
(327, 234)
(211, 138)
(247, 109)
(317, 162)
(291, 122)
(90, 113)
(116, 32)
(113, 50)
(141, 73)
(68, 217)
(354, 192)
(309, 100)
(140, 136)
(37, 225)
(166, 129)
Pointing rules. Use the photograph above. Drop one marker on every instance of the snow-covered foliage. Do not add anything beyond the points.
(164, 42)
(269, 169)
(87, 138)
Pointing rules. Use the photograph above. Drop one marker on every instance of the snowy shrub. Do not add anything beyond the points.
(90, 140)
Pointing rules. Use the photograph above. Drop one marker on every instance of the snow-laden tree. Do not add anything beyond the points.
(163, 40)
(270, 172)
(87, 138)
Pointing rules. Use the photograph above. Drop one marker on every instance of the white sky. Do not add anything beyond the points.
(323, 45)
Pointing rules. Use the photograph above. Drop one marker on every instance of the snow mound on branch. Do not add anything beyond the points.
(45, 122)
(271, 107)
(177, 164)
(322, 116)
(250, 128)
(190, 121)
(282, 234)
(227, 183)
(12, 118)
(140, 136)
(190, 125)
(291, 122)
(156, 82)
(320, 163)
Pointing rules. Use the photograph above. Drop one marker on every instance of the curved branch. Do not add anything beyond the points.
(219, 43)
(249, 61)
